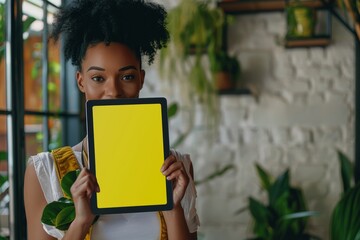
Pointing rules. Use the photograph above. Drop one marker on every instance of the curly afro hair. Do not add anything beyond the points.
(138, 24)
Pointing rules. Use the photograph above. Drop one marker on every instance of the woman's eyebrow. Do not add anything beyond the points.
(121, 69)
(127, 68)
(95, 68)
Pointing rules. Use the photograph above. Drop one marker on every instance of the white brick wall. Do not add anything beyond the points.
(304, 113)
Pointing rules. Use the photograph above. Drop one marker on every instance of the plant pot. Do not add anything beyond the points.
(223, 81)
(301, 21)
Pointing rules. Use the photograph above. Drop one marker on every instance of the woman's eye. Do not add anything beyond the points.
(128, 77)
(97, 79)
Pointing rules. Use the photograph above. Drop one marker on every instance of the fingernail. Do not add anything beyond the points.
(162, 169)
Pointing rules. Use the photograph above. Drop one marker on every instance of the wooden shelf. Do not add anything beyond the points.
(238, 91)
(251, 6)
(307, 42)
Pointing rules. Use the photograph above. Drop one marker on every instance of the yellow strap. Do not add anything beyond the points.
(66, 161)
(163, 229)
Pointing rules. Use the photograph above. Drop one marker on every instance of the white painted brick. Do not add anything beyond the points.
(328, 135)
(275, 24)
(298, 85)
(255, 65)
(279, 135)
(279, 114)
(273, 153)
(299, 57)
(307, 71)
(317, 55)
(348, 70)
(345, 85)
(337, 54)
(210, 213)
(308, 173)
(229, 101)
(282, 68)
(291, 125)
(320, 84)
(300, 135)
(299, 99)
(216, 232)
(228, 136)
(254, 136)
(315, 99)
(233, 116)
(329, 72)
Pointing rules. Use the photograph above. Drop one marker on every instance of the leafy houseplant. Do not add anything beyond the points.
(284, 216)
(196, 36)
(4, 190)
(226, 69)
(345, 224)
(300, 20)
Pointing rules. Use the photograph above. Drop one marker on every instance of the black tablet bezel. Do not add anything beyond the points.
(91, 152)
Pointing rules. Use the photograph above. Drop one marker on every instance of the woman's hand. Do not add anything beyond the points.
(81, 191)
(174, 171)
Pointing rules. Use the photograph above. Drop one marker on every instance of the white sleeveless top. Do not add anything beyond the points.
(136, 226)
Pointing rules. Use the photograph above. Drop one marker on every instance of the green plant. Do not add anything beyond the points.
(196, 33)
(26, 25)
(284, 216)
(345, 224)
(300, 20)
(4, 188)
(61, 213)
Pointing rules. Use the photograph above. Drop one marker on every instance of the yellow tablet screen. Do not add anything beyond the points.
(128, 153)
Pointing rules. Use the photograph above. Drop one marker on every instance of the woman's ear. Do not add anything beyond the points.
(142, 75)
(80, 81)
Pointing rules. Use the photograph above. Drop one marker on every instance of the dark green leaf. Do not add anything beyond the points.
(215, 174)
(258, 210)
(27, 23)
(345, 222)
(67, 181)
(65, 218)
(51, 210)
(280, 186)
(3, 155)
(346, 170)
(260, 214)
(265, 178)
(172, 110)
(3, 179)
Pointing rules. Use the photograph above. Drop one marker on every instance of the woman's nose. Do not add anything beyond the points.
(113, 89)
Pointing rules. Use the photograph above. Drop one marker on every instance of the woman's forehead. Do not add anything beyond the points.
(113, 53)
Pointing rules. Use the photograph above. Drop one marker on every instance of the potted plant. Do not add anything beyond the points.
(196, 36)
(345, 224)
(300, 20)
(226, 70)
(285, 215)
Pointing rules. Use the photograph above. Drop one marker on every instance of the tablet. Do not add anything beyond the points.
(128, 142)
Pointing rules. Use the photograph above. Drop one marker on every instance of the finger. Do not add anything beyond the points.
(174, 167)
(85, 174)
(180, 176)
(168, 161)
(86, 183)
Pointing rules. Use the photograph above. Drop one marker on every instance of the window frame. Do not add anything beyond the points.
(15, 112)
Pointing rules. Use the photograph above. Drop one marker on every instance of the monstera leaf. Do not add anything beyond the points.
(61, 213)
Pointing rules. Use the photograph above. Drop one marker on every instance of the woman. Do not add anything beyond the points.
(105, 40)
